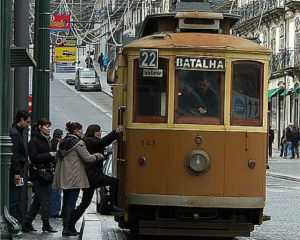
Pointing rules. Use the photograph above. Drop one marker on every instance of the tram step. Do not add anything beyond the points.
(194, 232)
(195, 225)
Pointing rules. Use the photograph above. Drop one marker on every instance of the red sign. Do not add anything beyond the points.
(60, 23)
(29, 103)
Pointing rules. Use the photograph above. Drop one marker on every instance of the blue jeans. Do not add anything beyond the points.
(288, 145)
(55, 202)
(69, 201)
(16, 198)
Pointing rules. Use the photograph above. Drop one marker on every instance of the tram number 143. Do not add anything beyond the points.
(148, 58)
(149, 143)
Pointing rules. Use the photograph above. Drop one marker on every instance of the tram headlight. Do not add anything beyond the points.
(197, 162)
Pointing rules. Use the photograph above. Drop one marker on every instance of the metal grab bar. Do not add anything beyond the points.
(120, 153)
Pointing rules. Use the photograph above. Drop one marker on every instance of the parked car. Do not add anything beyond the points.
(102, 193)
(71, 80)
(87, 79)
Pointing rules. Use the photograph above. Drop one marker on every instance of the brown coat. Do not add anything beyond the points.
(70, 172)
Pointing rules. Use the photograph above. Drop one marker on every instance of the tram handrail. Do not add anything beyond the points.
(120, 153)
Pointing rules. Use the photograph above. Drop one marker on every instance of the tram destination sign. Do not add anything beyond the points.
(201, 63)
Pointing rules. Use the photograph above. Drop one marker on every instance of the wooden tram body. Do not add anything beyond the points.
(162, 194)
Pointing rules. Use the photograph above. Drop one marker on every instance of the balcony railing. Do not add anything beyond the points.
(284, 60)
(256, 8)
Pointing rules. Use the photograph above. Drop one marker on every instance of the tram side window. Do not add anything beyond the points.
(151, 93)
(246, 105)
(199, 96)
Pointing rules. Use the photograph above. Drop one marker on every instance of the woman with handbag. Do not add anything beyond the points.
(96, 144)
(41, 173)
(70, 174)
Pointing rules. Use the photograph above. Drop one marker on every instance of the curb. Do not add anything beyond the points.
(106, 93)
(82, 228)
(285, 177)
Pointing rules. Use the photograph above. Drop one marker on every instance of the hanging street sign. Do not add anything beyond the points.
(60, 23)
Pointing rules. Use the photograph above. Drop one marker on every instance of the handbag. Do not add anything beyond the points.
(43, 175)
(284, 140)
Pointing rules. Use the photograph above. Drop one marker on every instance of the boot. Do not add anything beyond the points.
(68, 230)
(71, 228)
(65, 224)
(114, 208)
(72, 231)
(27, 226)
(47, 227)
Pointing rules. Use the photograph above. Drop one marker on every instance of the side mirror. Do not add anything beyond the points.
(111, 76)
(112, 73)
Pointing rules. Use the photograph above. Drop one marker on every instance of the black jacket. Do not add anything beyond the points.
(54, 142)
(271, 135)
(39, 151)
(95, 145)
(19, 154)
(295, 137)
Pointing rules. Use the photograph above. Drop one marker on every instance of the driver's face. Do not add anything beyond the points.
(203, 85)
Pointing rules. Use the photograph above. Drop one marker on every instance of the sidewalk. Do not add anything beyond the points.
(103, 79)
(56, 223)
(284, 168)
(91, 226)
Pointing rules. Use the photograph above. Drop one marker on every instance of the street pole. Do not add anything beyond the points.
(21, 75)
(8, 225)
(40, 85)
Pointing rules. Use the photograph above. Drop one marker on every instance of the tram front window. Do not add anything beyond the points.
(151, 93)
(199, 95)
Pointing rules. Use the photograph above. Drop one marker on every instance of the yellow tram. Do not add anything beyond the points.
(193, 100)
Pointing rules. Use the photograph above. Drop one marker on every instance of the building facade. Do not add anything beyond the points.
(120, 20)
(276, 25)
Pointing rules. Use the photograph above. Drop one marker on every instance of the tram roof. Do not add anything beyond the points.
(205, 41)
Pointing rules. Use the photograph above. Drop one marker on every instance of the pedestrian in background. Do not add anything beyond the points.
(55, 194)
(282, 141)
(96, 144)
(295, 141)
(288, 141)
(41, 157)
(271, 140)
(70, 174)
(89, 62)
(18, 160)
(105, 62)
(100, 61)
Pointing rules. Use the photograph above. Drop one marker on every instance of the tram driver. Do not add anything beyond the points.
(197, 97)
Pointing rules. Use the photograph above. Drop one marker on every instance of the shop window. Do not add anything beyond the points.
(273, 121)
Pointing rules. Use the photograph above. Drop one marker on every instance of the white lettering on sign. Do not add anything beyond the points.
(200, 63)
(148, 58)
(152, 73)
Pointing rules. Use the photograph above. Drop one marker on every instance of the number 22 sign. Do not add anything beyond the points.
(149, 58)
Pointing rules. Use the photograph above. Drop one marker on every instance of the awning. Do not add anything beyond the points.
(296, 88)
(272, 92)
(20, 57)
(284, 93)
